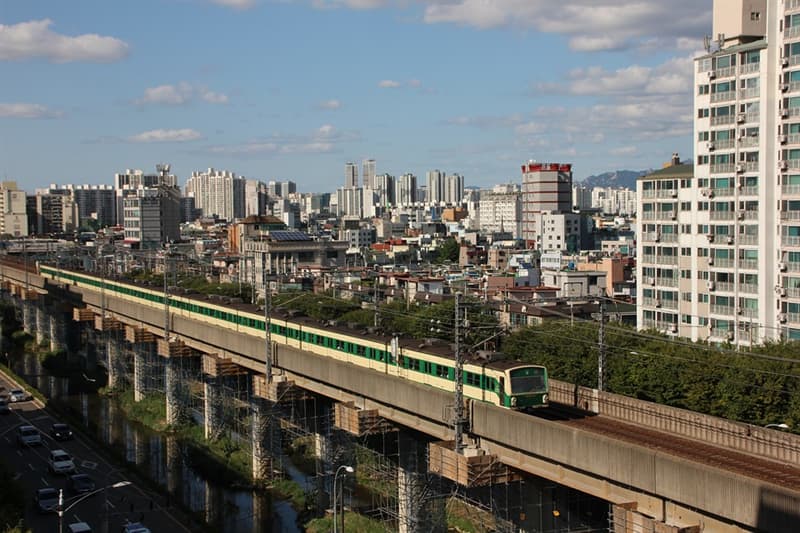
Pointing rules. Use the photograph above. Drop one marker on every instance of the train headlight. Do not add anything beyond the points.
(544, 398)
(513, 401)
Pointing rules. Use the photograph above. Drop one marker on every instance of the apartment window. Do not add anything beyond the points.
(686, 296)
(725, 61)
(702, 136)
(755, 16)
(686, 252)
(702, 159)
(722, 87)
(703, 112)
(686, 206)
(753, 56)
(702, 182)
(702, 321)
(703, 89)
(686, 183)
(686, 319)
(702, 298)
(702, 206)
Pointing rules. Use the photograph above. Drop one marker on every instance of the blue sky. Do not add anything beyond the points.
(293, 89)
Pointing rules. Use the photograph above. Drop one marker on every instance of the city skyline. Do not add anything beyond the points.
(463, 86)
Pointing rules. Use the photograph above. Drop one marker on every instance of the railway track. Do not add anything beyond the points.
(775, 472)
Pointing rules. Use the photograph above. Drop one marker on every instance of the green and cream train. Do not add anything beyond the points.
(509, 384)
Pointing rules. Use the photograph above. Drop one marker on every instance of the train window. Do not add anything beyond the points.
(442, 371)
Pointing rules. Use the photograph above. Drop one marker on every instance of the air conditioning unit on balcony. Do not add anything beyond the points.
(729, 336)
(740, 118)
(673, 215)
(651, 281)
(710, 237)
(711, 285)
(784, 113)
(784, 61)
(658, 303)
(783, 165)
(673, 328)
(783, 138)
(657, 237)
(740, 168)
(741, 214)
(730, 239)
(782, 266)
(780, 291)
(710, 146)
(740, 310)
(710, 259)
(711, 74)
(784, 87)
(674, 193)
(782, 318)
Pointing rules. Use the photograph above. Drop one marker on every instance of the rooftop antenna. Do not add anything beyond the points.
(707, 43)
(720, 40)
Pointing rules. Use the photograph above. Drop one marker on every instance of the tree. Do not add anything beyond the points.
(448, 251)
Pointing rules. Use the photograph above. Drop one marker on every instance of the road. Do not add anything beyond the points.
(108, 510)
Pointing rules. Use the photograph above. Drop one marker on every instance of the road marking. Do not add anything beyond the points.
(7, 439)
(111, 504)
(77, 518)
(17, 476)
(91, 465)
(44, 481)
(19, 452)
(43, 417)
(31, 467)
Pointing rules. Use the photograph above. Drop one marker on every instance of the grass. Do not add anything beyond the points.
(12, 501)
(286, 489)
(353, 523)
(151, 411)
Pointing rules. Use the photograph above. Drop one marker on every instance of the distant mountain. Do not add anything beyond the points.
(618, 178)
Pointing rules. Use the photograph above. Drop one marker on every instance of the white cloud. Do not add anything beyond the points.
(179, 94)
(388, 84)
(624, 150)
(27, 111)
(236, 4)
(330, 105)
(592, 24)
(353, 4)
(34, 39)
(324, 139)
(162, 135)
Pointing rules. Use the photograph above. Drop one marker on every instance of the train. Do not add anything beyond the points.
(505, 383)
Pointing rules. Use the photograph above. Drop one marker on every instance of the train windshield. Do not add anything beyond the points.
(528, 380)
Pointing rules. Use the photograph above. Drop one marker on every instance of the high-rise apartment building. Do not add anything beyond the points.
(218, 193)
(454, 189)
(368, 173)
(406, 190)
(732, 233)
(151, 216)
(546, 188)
(499, 210)
(13, 207)
(436, 187)
(351, 175)
(128, 182)
(255, 198)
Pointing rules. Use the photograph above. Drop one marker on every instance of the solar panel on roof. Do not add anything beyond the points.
(287, 235)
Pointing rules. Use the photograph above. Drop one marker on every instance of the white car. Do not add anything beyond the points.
(18, 395)
(28, 436)
(61, 463)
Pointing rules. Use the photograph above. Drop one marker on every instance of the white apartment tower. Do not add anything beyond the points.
(368, 174)
(454, 189)
(218, 192)
(499, 210)
(546, 188)
(405, 190)
(436, 187)
(350, 175)
(13, 216)
(736, 273)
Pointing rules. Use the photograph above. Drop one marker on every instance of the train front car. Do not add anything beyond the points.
(526, 387)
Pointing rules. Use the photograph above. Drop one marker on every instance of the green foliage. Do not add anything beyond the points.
(353, 523)
(448, 251)
(151, 411)
(12, 501)
(286, 489)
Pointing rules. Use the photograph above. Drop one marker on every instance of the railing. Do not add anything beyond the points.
(792, 5)
(750, 92)
(792, 267)
(722, 168)
(790, 215)
(747, 240)
(793, 138)
(794, 60)
(723, 286)
(748, 313)
(667, 282)
(727, 191)
(790, 189)
(648, 215)
(793, 292)
(793, 318)
(790, 240)
(667, 259)
(747, 68)
(722, 263)
(723, 119)
(750, 166)
(669, 237)
(725, 72)
(724, 144)
(749, 264)
(748, 288)
(752, 117)
(746, 142)
(723, 96)
(722, 215)
(722, 310)
(667, 193)
(750, 214)
(792, 33)
(648, 258)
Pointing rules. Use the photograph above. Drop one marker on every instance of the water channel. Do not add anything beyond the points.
(163, 459)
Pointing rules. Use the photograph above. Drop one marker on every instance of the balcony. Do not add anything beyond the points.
(749, 141)
(723, 96)
(750, 214)
(669, 237)
(790, 189)
(748, 191)
(725, 72)
(792, 5)
(667, 282)
(751, 92)
(793, 318)
(790, 215)
(725, 310)
(794, 60)
(792, 33)
(747, 240)
(724, 119)
(748, 313)
(722, 215)
(648, 215)
(721, 168)
(749, 68)
(649, 193)
(790, 241)
(748, 264)
(651, 302)
(792, 267)
(793, 292)
(721, 263)
(667, 193)
(752, 117)
(727, 191)
(667, 260)
(649, 258)
(748, 288)
(723, 286)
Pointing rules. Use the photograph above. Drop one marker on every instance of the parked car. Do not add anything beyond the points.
(46, 500)
(60, 432)
(79, 527)
(80, 483)
(18, 395)
(135, 527)
(28, 436)
(61, 462)
(4, 409)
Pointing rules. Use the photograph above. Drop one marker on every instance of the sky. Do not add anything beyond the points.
(294, 89)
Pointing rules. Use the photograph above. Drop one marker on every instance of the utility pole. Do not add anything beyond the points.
(458, 408)
(166, 293)
(267, 326)
(601, 349)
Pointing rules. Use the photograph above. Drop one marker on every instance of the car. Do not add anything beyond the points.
(18, 395)
(46, 500)
(79, 527)
(28, 436)
(4, 409)
(80, 483)
(135, 527)
(60, 432)
(60, 462)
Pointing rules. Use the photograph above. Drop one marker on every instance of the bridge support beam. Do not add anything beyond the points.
(417, 508)
(212, 406)
(172, 386)
(114, 360)
(28, 317)
(262, 466)
(57, 332)
(42, 323)
(139, 367)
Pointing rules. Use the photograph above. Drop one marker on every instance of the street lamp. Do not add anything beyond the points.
(778, 426)
(346, 468)
(62, 510)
